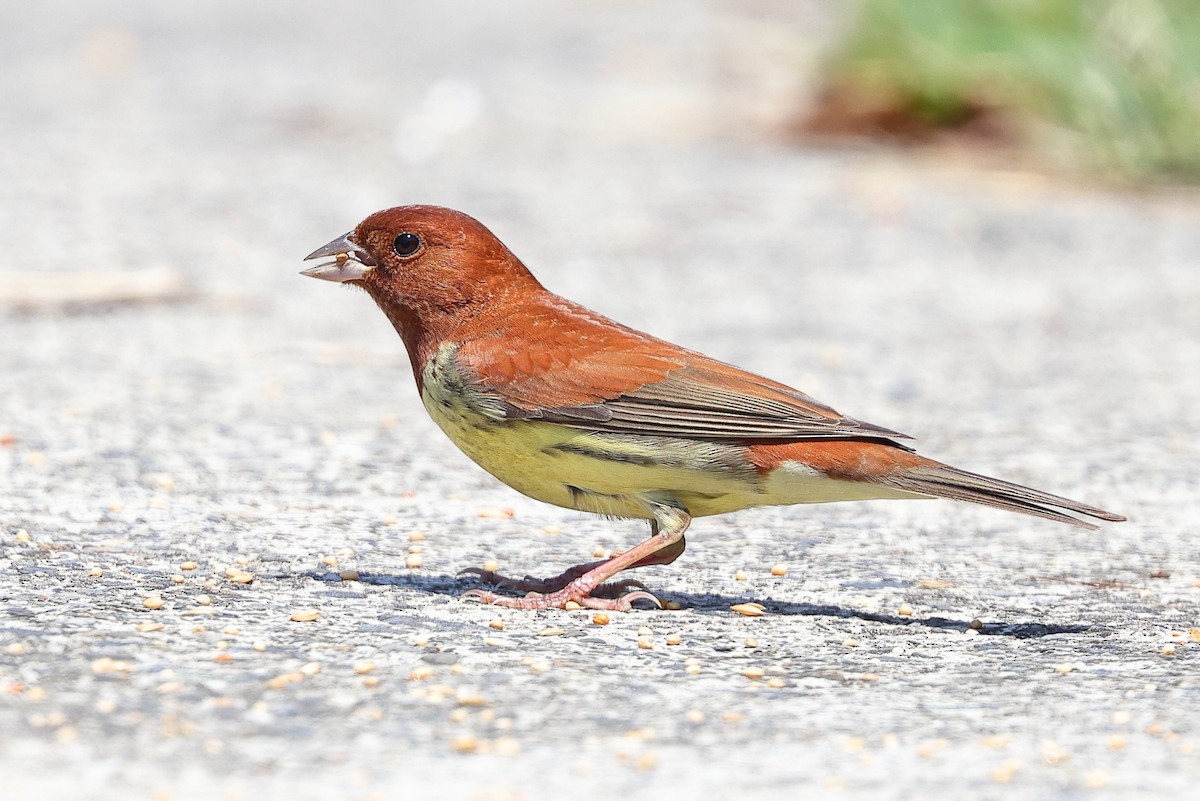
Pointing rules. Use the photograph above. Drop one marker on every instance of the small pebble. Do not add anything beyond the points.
(305, 615)
(779, 570)
(348, 575)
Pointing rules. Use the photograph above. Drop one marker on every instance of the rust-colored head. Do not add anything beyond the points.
(429, 268)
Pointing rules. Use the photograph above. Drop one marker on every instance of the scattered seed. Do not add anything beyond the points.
(572, 606)
(646, 762)
(223, 658)
(242, 578)
(505, 513)
(153, 602)
(971, 633)
(231, 630)
(15, 648)
(363, 667)
(22, 536)
(733, 717)
(305, 615)
(749, 609)
(779, 569)
(285, 679)
(310, 668)
(750, 642)
(204, 600)
(178, 578)
(645, 643)
(692, 670)
(776, 683)
(259, 646)
(754, 673)
(1116, 742)
(370, 681)
(694, 716)
(1169, 649)
(850, 644)
(1004, 774)
(414, 548)
(416, 536)
(550, 632)
(470, 699)
(149, 626)
(95, 572)
(644, 631)
(1064, 668)
(1194, 634)
(868, 677)
(551, 530)
(904, 609)
(600, 618)
(420, 673)
(189, 565)
(935, 584)
(673, 606)
(465, 743)
(598, 552)
(497, 624)
(348, 575)
(491, 565)
(413, 560)
(741, 575)
(242, 561)
(493, 642)
(506, 746)
(674, 638)
(345, 552)
(420, 640)
(329, 561)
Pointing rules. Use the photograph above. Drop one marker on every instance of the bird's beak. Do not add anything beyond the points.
(350, 261)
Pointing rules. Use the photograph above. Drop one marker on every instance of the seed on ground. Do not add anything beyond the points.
(413, 560)
(692, 670)
(850, 643)
(420, 673)
(153, 602)
(779, 569)
(497, 624)
(204, 600)
(363, 667)
(673, 606)
(694, 716)
(348, 575)
(189, 565)
(231, 630)
(148, 627)
(1194, 634)
(550, 632)
(506, 746)
(1116, 742)
(935, 584)
(22, 536)
(505, 513)
(285, 679)
(416, 536)
(305, 615)
(16, 648)
(754, 673)
(741, 575)
(645, 643)
(242, 578)
(420, 640)
(95, 572)
(178, 578)
(370, 681)
(493, 642)
(470, 699)
(551, 530)
(749, 609)
(598, 552)
(414, 548)
(1169, 649)
(600, 618)
(491, 565)
(572, 606)
(904, 609)
(329, 561)
(644, 631)
(259, 646)
(750, 642)
(674, 638)
(465, 743)
(776, 683)
(869, 677)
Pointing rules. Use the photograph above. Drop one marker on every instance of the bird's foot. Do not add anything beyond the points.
(575, 591)
(547, 586)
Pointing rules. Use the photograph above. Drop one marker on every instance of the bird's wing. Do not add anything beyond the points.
(567, 365)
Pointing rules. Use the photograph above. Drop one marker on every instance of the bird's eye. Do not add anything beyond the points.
(406, 244)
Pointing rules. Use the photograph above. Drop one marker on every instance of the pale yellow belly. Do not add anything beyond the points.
(623, 475)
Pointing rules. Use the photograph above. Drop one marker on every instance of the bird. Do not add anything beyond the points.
(574, 409)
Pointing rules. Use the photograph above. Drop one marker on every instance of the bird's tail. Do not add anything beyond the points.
(944, 481)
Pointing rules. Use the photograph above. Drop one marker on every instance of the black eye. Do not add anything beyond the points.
(406, 244)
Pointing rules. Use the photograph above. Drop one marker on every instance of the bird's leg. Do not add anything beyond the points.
(664, 556)
(664, 545)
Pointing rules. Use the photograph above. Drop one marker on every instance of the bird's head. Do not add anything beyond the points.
(429, 268)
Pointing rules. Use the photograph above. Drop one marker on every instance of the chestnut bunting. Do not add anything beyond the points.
(569, 407)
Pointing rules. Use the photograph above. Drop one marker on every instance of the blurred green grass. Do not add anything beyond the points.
(1105, 86)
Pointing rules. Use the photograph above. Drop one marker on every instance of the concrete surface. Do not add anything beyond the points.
(631, 154)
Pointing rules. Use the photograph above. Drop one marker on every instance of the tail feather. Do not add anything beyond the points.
(943, 481)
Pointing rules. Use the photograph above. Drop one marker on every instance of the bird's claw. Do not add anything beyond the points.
(559, 600)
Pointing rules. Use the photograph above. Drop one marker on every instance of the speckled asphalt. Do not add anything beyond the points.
(262, 424)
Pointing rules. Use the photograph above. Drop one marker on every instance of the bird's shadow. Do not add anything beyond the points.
(713, 602)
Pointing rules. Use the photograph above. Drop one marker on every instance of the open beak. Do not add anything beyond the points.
(348, 261)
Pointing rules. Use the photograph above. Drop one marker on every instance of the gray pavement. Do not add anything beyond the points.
(258, 424)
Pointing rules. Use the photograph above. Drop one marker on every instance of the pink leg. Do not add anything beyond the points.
(664, 546)
(666, 556)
